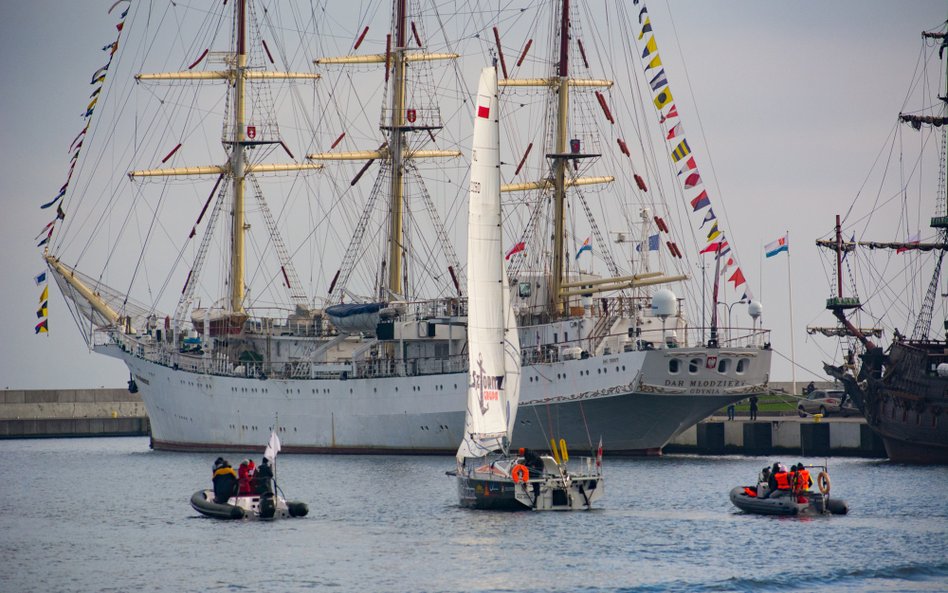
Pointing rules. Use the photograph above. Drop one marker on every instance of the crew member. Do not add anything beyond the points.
(533, 462)
(244, 477)
(803, 478)
(225, 482)
(779, 481)
(263, 478)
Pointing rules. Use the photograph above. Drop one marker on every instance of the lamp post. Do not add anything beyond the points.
(729, 307)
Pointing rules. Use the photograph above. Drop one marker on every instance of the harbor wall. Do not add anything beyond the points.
(116, 412)
(829, 437)
(71, 413)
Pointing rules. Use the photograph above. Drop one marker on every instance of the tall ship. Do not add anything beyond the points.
(900, 380)
(295, 268)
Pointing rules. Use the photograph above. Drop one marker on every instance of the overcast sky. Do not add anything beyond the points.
(794, 99)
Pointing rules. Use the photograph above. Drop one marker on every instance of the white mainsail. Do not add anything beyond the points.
(493, 346)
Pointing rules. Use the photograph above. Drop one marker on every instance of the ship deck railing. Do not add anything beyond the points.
(217, 363)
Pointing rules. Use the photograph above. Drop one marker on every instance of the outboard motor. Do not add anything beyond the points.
(267, 505)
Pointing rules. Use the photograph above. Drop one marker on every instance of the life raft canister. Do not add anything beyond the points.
(823, 482)
(520, 473)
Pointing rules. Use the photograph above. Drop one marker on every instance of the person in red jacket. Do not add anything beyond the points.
(244, 476)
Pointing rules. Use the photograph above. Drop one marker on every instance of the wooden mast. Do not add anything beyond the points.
(237, 167)
(559, 172)
(237, 74)
(396, 140)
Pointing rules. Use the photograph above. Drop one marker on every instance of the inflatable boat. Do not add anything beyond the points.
(799, 500)
(806, 503)
(256, 506)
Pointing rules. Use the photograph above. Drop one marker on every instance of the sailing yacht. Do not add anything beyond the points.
(488, 476)
(367, 361)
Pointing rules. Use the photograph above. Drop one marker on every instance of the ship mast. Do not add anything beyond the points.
(560, 289)
(559, 166)
(396, 141)
(396, 150)
(237, 168)
(940, 220)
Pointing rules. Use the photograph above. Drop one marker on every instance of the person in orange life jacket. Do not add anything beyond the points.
(803, 478)
(792, 476)
(779, 480)
(263, 478)
(244, 475)
(225, 482)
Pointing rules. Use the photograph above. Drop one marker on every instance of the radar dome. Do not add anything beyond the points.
(755, 309)
(663, 303)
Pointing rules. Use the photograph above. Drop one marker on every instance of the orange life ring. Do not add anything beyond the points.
(823, 481)
(520, 473)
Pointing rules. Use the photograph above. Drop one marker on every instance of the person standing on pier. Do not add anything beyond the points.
(753, 407)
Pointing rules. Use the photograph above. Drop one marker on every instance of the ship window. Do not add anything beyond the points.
(741, 365)
(673, 366)
(723, 365)
(693, 365)
(441, 351)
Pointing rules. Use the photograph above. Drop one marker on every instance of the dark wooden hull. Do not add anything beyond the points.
(905, 401)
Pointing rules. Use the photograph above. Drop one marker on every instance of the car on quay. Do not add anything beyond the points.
(825, 402)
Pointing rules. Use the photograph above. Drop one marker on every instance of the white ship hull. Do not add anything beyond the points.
(631, 400)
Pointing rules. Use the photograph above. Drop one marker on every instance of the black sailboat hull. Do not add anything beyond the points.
(494, 494)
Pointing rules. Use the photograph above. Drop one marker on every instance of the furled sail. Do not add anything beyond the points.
(492, 396)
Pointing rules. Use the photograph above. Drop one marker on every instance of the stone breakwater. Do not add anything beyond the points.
(71, 413)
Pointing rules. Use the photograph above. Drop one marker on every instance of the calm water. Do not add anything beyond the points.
(111, 515)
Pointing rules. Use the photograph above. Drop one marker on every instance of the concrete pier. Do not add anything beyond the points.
(71, 413)
(116, 412)
(780, 434)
